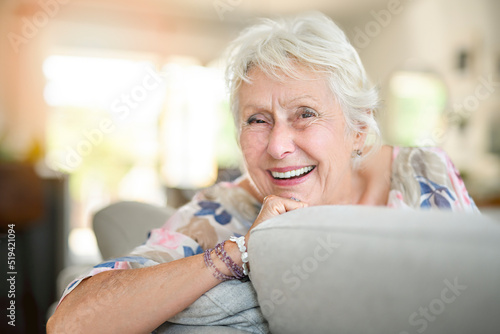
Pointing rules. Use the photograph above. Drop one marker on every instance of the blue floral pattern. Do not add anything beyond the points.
(434, 195)
(425, 178)
(188, 251)
(209, 208)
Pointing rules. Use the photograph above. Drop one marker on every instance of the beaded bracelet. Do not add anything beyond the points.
(236, 270)
(217, 273)
(240, 241)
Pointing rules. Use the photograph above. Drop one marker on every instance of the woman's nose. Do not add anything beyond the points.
(281, 141)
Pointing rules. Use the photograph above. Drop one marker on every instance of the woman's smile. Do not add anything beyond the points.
(290, 172)
(290, 176)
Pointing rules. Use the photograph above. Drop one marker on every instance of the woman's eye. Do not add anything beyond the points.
(255, 120)
(307, 113)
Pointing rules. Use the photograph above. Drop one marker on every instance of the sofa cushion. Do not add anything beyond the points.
(122, 226)
(353, 269)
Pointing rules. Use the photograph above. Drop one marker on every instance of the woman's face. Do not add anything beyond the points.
(293, 138)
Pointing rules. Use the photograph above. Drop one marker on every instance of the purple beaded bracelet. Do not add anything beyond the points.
(236, 270)
(217, 273)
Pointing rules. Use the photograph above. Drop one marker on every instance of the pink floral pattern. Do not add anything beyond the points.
(165, 238)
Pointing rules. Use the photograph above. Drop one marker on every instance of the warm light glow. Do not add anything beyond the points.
(190, 125)
(88, 81)
(103, 129)
(82, 242)
(98, 102)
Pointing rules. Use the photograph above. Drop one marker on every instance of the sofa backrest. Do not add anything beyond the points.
(345, 269)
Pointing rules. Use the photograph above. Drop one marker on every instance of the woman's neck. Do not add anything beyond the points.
(250, 188)
(372, 181)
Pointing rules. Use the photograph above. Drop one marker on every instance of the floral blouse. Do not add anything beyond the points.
(422, 178)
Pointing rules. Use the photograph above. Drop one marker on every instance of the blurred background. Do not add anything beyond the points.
(110, 100)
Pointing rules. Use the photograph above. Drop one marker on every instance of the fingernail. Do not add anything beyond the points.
(295, 199)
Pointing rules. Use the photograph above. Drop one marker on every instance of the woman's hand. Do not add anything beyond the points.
(274, 206)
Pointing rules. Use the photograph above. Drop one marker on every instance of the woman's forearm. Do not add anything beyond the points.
(132, 301)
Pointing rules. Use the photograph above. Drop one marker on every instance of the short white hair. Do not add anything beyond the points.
(314, 41)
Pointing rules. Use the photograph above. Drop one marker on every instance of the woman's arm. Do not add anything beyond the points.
(136, 300)
(140, 300)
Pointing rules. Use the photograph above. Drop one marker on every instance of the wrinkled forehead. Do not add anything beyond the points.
(305, 84)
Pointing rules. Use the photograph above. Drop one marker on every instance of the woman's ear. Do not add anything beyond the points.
(360, 137)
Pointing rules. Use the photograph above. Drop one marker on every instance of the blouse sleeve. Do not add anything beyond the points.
(426, 178)
(463, 199)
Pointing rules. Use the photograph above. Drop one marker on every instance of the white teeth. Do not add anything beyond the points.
(292, 173)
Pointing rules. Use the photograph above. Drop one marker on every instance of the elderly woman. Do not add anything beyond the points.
(304, 111)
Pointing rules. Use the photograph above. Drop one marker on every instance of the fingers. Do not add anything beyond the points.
(273, 206)
(276, 205)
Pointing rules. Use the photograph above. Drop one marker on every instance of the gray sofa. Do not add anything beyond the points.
(341, 269)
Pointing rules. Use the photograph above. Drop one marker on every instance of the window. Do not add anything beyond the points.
(124, 130)
(415, 108)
